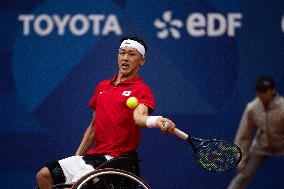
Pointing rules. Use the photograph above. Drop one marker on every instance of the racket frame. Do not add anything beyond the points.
(191, 139)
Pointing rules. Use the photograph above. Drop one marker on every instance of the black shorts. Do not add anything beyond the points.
(56, 172)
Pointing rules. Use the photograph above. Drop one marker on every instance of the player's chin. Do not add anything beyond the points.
(125, 72)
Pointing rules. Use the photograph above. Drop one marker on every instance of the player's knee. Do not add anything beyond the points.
(43, 175)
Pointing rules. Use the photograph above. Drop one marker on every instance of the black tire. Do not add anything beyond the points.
(109, 178)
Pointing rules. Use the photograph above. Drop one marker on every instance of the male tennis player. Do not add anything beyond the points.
(114, 129)
(266, 115)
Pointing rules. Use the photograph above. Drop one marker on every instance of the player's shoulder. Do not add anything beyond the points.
(101, 84)
(280, 100)
(253, 104)
(104, 82)
(143, 86)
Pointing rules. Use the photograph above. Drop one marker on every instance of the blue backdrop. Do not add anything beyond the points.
(204, 57)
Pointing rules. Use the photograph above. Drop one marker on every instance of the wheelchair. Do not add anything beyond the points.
(112, 174)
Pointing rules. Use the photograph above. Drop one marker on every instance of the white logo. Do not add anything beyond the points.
(97, 24)
(168, 26)
(212, 24)
(126, 93)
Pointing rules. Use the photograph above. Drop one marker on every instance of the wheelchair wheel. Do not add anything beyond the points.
(109, 178)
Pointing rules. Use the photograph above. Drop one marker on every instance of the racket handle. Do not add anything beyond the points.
(180, 134)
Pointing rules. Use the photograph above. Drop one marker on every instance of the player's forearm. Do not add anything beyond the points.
(149, 121)
(140, 120)
(140, 115)
(87, 141)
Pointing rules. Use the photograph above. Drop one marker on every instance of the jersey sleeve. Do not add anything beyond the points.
(146, 97)
(93, 100)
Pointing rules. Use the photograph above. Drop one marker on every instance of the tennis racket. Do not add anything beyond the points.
(213, 155)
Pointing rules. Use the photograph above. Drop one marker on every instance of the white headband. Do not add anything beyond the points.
(134, 44)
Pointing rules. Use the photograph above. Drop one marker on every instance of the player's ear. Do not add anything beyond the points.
(142, 60)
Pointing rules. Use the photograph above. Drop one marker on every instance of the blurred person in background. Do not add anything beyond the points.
(265, 115)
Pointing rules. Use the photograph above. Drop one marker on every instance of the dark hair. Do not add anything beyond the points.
(264, 83)
(139, 40)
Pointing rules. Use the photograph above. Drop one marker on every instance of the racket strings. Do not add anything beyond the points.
(218, 156)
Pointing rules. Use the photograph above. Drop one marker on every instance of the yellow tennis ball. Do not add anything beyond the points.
(132, 102)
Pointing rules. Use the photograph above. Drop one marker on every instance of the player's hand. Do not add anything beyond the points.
(166, 125)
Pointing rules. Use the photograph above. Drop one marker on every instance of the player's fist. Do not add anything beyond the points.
(166, 125)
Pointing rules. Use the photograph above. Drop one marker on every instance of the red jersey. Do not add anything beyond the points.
(115, 130)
